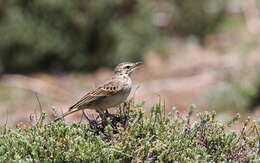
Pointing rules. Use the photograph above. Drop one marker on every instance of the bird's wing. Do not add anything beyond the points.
(107, 89)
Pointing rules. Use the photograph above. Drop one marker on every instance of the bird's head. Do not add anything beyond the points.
(127, 67)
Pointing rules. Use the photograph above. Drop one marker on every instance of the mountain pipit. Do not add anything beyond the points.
(109, 94)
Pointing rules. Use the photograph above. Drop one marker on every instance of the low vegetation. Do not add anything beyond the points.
(132, 135)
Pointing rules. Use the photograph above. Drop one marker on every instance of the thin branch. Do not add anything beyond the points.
(133, 96)
(258, 135)
(40, 105)
(35, 114)
(7, 116)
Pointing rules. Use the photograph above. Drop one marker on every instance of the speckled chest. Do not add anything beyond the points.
(119, 97)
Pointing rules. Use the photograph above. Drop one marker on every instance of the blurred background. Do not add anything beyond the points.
(203, 52)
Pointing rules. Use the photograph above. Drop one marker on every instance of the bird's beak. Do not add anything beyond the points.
(135, 66)
(138, 64)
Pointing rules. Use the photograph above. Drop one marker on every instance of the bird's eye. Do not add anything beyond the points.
(127, 67)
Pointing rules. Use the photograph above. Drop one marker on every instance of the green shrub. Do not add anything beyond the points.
(153, 137)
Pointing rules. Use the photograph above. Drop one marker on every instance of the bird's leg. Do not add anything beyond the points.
(101, 114)
(81, 118)
(107, 113)
(85, 115)
(103, 118)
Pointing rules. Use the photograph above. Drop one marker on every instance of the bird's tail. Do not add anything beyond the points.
(66, 114)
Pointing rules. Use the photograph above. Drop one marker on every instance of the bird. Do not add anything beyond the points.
(109, 94)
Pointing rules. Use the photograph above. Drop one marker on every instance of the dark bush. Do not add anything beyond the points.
(72, 35)
(80, 35)
(197, 18)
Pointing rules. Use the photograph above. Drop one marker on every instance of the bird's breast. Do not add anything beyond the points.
(114, 100)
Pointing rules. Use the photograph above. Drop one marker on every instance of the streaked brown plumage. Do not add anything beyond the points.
(110, 94)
